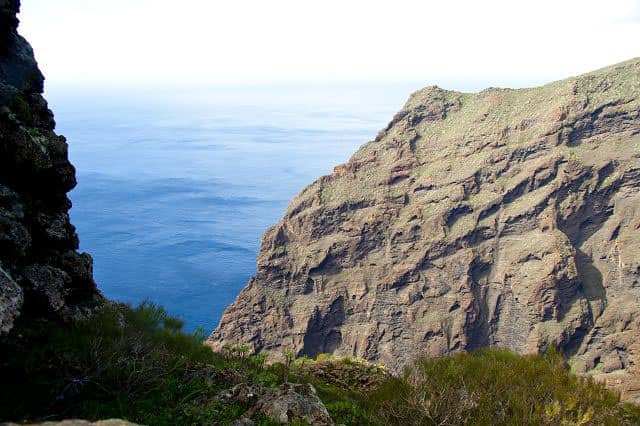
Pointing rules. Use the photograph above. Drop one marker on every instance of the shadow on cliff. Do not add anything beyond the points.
(323, 335)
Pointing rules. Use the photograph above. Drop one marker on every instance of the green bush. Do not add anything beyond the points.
(131, 363)
(347, 413)
(497, 387)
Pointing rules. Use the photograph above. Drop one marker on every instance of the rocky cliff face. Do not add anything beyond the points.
(41, 273)
(505, 218)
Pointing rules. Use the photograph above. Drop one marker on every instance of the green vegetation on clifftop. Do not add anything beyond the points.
(137, 364)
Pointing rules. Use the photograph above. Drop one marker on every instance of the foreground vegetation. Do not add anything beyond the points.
(498, 387)
(138, 364)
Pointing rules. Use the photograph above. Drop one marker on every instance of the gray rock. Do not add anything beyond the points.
(284, 404)
(243, 394)
(11, 298)
(292, 402)
(49, 282)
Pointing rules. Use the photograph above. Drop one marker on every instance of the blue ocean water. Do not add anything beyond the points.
(177, 187)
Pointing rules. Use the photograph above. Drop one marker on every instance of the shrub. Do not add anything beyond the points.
(131, 363)
(347, 413)
(138, 364)
(497, 387)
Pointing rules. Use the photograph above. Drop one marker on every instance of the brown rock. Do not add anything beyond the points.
(505, 218)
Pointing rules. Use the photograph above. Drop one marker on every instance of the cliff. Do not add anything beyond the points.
(505, 218)
(42, 275)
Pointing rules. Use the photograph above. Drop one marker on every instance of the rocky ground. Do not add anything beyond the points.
(505, 218)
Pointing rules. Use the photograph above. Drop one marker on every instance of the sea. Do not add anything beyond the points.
(177, 185)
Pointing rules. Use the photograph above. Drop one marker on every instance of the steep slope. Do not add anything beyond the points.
(41, 273)
(506, 218)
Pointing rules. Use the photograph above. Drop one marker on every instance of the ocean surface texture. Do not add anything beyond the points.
(175, 189)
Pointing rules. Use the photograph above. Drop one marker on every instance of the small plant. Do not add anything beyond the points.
(323, 358)
(289, 357)
(242, 352)
(301, 361)
(347, 413)
(258, 361)
(227, 351)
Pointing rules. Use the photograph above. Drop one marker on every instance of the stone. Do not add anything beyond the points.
(291, 402)
(284, 404)
(243, 393)
(504, 218)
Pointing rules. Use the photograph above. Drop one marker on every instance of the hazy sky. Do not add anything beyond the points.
(451, 43)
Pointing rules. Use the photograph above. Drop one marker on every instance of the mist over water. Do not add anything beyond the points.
(175, 189)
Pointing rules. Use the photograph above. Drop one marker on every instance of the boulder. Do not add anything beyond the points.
(284, 404)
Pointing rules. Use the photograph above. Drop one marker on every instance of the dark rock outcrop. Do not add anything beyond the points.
(42, 275)
(506, 218)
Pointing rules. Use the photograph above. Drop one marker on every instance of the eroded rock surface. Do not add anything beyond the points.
(42, 275)
(505, 218)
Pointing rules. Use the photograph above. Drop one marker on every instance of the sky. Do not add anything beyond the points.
(469, 44)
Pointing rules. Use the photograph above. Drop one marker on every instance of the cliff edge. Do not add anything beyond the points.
(42, 275)
(504, 218)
